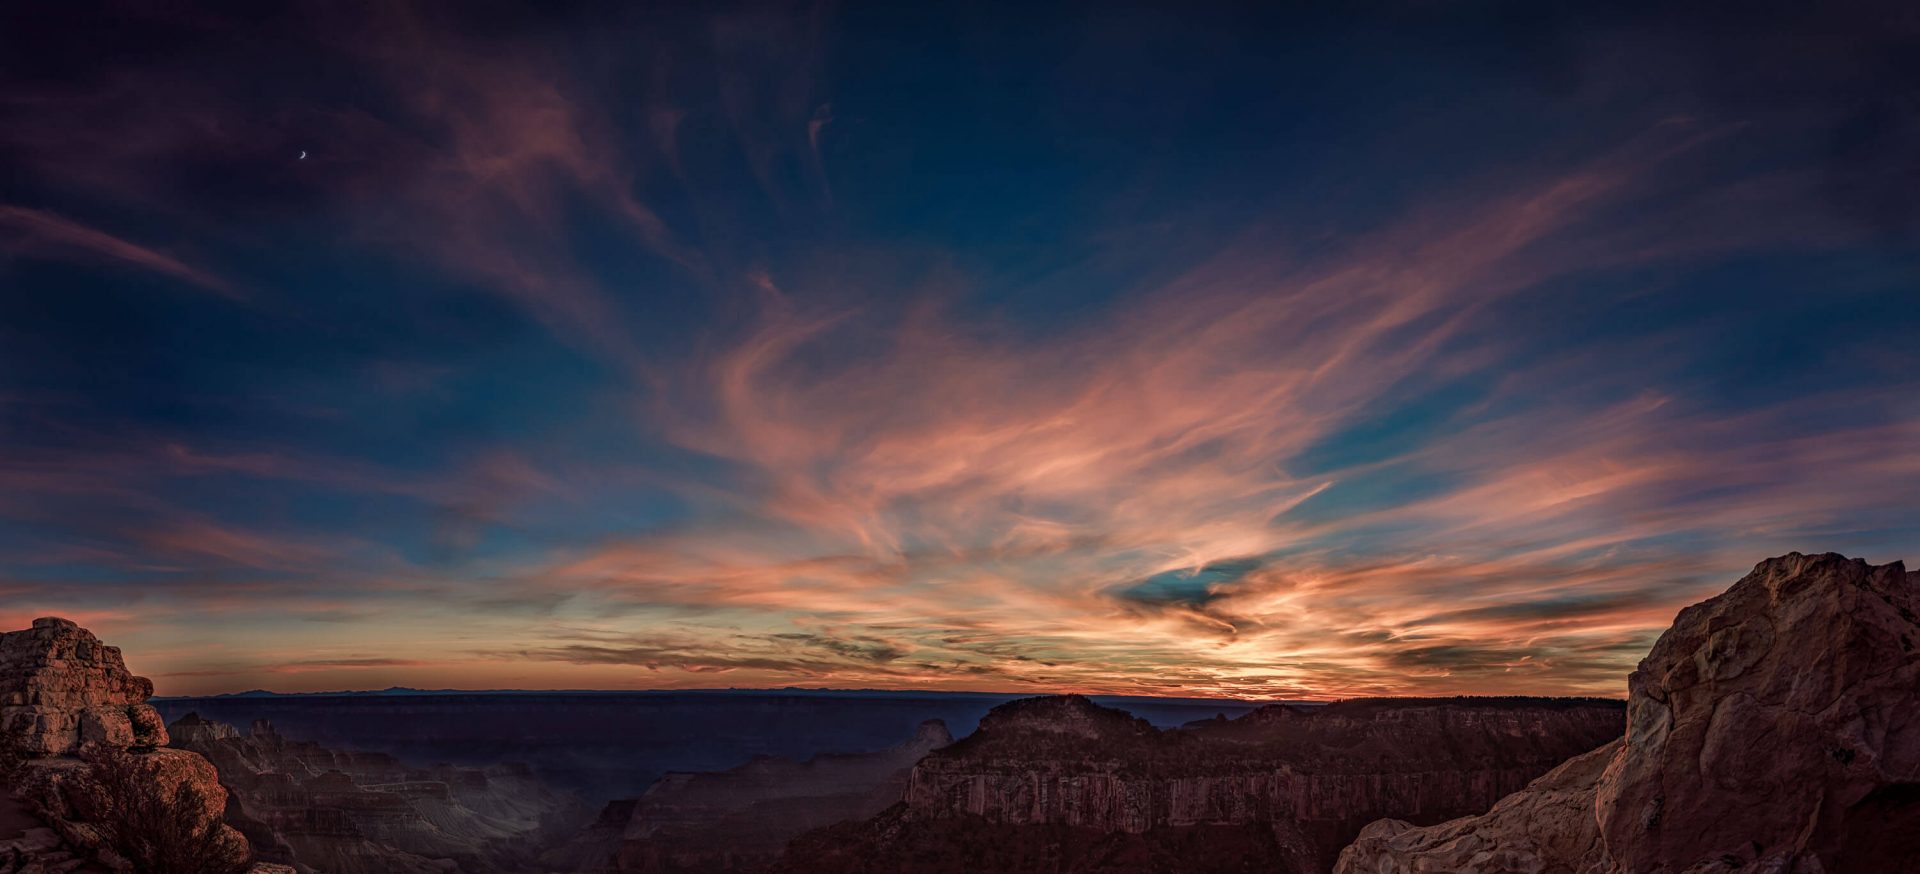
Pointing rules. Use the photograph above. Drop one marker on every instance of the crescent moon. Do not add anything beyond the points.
(303, 155)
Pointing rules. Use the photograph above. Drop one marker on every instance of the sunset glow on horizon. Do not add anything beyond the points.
(866, 347)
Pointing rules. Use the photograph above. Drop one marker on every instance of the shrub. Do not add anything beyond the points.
(13, 749)
(160, 832)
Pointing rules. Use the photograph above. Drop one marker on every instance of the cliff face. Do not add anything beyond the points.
(1775, 728)
(89, 770)
(344, 812)
(609, 745)
(1286, 785)
(740, 819)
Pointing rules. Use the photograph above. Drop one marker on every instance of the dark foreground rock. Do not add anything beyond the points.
(1774, 728)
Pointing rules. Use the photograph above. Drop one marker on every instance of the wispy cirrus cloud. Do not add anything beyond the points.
(306, 666)
(952, 485)
(679, 350)
(38, 233)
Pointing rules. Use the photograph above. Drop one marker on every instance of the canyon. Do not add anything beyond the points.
(345, 812)
(1773, 728)
(616, 745)
(1062, 783)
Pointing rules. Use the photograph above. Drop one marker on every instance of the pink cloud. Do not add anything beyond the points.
(35, 232)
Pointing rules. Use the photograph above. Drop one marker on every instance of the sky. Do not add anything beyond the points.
(1275, 351)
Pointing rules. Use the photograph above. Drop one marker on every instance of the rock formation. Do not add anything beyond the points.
(1774, 728)
(346, 812)
(1063, 784)
(741, 819)
(85, 738)
(64, 688)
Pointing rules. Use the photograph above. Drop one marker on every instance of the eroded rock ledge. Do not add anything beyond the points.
(1774, 728)
(63, 688)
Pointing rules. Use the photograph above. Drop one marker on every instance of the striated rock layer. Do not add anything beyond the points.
(1063, 784)
(1774, 728)
(64, 688)
(346, 812)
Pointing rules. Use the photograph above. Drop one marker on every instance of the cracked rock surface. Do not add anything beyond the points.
(1774, 728)
(65, 688)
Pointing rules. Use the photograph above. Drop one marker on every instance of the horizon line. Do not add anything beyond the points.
(399, 691)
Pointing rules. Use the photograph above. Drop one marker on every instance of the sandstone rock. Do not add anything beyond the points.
(1548, 828)
(1773, 728)
(172, 769)
(84, 716)
(149, 730)
(61, 787)
(101, 726)
(65, 688)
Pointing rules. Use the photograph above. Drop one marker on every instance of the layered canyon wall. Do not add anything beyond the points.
(1086, 787)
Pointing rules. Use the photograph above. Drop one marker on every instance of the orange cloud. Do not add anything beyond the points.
(986, 503)
(1155, 499)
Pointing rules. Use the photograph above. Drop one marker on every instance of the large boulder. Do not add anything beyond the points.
(62, 688)
(1773, 728)
(91, 749)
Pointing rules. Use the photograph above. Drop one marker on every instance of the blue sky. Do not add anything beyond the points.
(1267, 351)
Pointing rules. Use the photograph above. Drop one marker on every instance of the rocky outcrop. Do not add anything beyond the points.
(1548, 828)
(741, 819)
(1063, 784)
(347, 812)
(81, 760)
(1774, 728)
(62, 688)
(191, 731)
